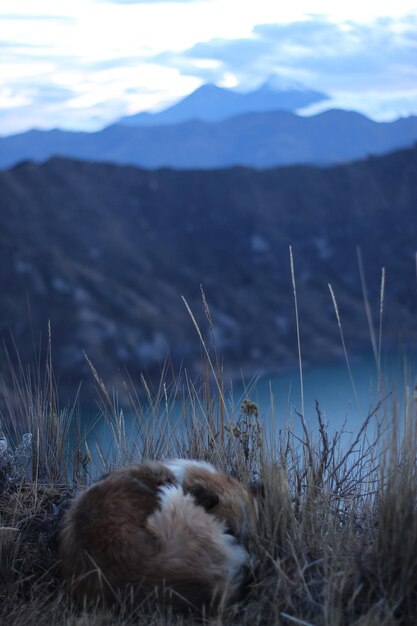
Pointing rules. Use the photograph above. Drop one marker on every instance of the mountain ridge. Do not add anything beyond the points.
(252, 140)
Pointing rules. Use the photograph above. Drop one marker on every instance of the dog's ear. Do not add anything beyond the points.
(204, 497)
(257, 489)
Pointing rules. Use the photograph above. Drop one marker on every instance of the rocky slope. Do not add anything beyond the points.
(105, 252)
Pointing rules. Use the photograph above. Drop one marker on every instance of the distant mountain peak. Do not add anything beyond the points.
(207, 87)
(275, 82)
(211, 103)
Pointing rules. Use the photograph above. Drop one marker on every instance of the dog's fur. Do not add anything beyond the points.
(176, 529)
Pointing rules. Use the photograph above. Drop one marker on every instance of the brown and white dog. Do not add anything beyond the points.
(174, 528)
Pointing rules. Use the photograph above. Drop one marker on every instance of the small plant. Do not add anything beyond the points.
(246, 440)
(14, 464)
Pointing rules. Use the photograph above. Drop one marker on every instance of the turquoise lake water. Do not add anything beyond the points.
(279, 398)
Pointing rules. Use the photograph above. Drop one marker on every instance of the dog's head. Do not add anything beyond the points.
(225, 497)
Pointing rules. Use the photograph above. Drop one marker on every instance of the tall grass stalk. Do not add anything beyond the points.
(297, 323)
(339, 323)
(30, 405)
(381, 313)
(367, 304)
(207, 354)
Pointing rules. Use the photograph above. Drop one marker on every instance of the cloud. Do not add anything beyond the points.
(42, 89)
(85, 70)
(13, 17)
(19, 45)
(47, 93)
(328, 56)
(146, 1)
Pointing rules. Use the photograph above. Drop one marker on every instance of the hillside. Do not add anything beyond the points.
(253, 139)
(105, 252)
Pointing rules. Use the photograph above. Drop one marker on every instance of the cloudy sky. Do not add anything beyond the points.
(81, 64)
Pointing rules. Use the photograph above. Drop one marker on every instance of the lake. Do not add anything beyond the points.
(279, 398)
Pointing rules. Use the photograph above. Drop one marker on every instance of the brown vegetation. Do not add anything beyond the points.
(337, 540)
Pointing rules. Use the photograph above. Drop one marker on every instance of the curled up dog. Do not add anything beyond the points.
(175, 529)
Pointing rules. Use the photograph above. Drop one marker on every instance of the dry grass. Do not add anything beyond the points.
(337, 537)
(337, 540)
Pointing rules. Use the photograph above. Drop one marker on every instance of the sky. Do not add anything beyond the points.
(82, 64)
